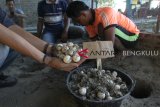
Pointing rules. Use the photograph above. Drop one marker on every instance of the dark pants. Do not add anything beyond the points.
(11, 56)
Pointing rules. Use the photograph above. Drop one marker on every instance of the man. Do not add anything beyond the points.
(51, 14)
(15, 14)
(27, 44)
(105, 23)
(158, 20)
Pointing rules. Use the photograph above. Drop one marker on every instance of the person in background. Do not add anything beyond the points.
(52, 15)
(105, 24)
(158, 20)
(15, 14)
(13, 36)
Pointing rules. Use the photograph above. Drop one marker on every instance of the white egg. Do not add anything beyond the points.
(110, 82)
(70, 52)
(67, 59)
(59, 46)
(83, 91)
(74, 49)
(119, 93)
(76, 58)
(119, 79)
(107, 94)
(109, 98)
(123, 86)
(108, 71)
(101, 95)
(64, 49)
(70, 44)
(114, 74)
(82, 72)
(103, 71)
(76, 45)
(117, 87)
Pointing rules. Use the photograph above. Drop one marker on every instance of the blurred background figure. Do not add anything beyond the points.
(15, 14)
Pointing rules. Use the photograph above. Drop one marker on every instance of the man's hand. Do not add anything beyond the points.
(59, 64)
(64, 36)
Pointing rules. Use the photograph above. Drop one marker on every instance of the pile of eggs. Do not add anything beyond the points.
(68, 52)
(94, 84)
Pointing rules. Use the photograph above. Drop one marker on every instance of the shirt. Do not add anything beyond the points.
(109, 17)
(4, 50)
(52, 14)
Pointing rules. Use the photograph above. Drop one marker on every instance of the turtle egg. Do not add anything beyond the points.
(119, 93)
(103, 71)
(59, 46)
(108, 71)
(83, 90)
(101, 95)
(64, 49)
(123, 86)
(107, 93)
(110, 82)
(119, 79)
(82, 72)
(114, 74)
(67, 59)
(70, 44)
(76, 58)
(74, 48)
(70, 52)
(109, 98)
(117, 87)
(75, 45)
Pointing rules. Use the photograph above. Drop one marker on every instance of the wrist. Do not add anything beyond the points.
(45, 48)
(49, 49)
(46, 59)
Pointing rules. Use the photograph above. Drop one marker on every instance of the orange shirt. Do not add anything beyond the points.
(108, 17)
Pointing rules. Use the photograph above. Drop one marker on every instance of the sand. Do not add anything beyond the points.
(41, 86)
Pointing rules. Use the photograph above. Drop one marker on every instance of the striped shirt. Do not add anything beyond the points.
(52, 14)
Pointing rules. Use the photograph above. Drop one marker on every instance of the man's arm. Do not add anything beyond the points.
(21, 22)
(40, 27)
(110, 36)
(16, 42)
(36, 42)
(66, 28)
(40, 19)
(22, 45)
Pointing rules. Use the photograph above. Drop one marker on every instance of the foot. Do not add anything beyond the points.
(7, 81)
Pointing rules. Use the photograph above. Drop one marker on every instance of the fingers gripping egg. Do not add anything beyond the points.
(67, 59)
(76, 58)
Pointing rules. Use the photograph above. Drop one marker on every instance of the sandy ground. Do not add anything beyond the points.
(41, 86)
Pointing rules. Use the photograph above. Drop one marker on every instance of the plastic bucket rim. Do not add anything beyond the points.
(102, 101)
